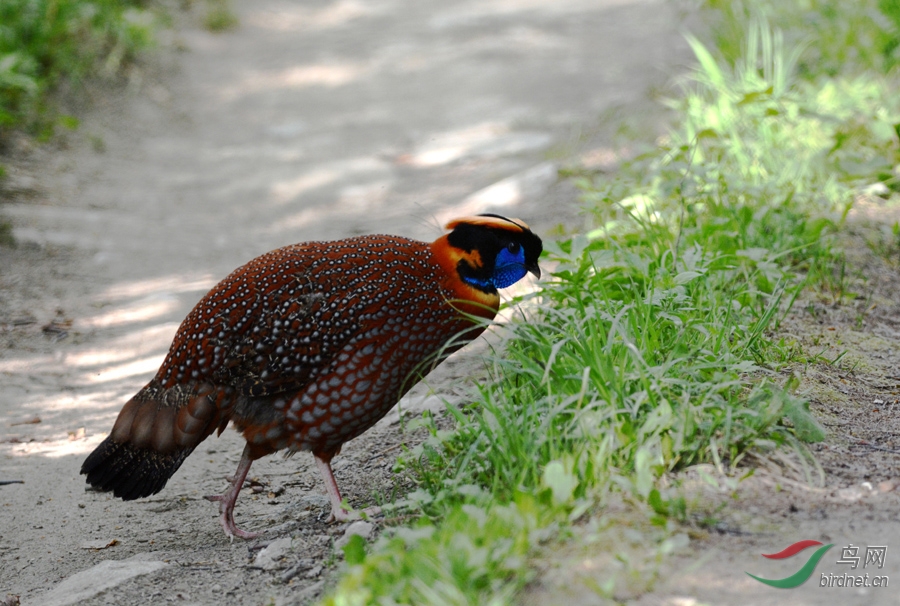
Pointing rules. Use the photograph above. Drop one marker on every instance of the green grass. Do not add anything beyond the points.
(653, 346)
(45, 43)
(839, 37)
(6, 234)
(219, 16)
(477, 555)
(779, 160)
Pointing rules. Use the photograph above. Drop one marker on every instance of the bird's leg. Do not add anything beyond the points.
(229, 497)
(338, 513)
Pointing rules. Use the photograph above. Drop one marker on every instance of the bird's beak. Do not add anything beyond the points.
(534, 268)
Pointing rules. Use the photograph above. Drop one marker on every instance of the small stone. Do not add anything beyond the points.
(853, 493)
(313, 572)
(886, 486)
(310, 591)
(313, 501)
(876, 189)
(86, 584)
(270, 557)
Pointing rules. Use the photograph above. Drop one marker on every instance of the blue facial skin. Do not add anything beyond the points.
(509, 268)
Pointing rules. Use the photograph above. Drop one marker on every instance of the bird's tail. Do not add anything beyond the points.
(153, 434)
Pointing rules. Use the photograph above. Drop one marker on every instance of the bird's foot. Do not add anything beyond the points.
(232, 530)
(226, 508)
(343, 515)
(339, 512)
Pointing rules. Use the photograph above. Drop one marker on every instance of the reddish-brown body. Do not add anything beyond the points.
(303, 348)
(309, 345)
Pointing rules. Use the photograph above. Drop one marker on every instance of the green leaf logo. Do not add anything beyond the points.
(799, 577)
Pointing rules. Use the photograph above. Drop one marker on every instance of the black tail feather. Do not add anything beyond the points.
(129, 472)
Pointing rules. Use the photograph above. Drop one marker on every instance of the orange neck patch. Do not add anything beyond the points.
(466, 298)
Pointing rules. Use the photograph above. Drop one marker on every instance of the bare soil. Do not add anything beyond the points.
(311, 120)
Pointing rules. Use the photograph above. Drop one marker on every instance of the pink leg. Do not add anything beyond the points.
(338, 513)
(229, 497)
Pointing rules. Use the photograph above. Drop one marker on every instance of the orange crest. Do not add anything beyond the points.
(494, 221)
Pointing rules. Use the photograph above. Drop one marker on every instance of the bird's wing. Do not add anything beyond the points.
(297, 326)
(277, 322)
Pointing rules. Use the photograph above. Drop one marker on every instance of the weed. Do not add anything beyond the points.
(44, 42)
(6, 234)
(840, 38)
(219, 16)
(477, 555)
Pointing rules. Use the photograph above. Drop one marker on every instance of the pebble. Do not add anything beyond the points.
(84, 585)
(851, 493)
(310, 591)
(270, 557)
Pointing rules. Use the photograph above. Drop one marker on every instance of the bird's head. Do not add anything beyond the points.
(489, 251)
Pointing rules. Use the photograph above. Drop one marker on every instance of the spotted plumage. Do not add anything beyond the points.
(307, 346)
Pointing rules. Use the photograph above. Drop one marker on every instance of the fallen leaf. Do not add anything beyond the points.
(58, 329)
(31, 421)
(16, 440)
(76, 435)
(100, 544)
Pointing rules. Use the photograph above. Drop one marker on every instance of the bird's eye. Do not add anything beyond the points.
(513, 247)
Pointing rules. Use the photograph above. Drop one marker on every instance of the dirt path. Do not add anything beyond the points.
(312, 120)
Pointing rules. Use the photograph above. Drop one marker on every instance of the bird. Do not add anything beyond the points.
(306, 347)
